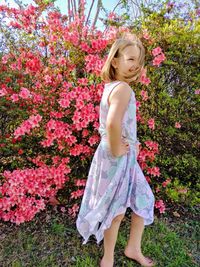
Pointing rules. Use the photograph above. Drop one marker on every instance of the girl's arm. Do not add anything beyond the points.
(118, 99)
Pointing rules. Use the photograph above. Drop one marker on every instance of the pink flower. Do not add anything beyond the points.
(165, 183)
(143, 78)
(72, 211)
(159, 59)
(80, 182)
(64, 103)
(77, 194)
(3, 92)
(94, 64)
(14, 97)
(146, 34)
(160, 205)
(152, 146)
(93, 140)
(27, 125)
(197, 92)
(85, 133)
(112, 16)
(24, 93)
(154, 171)
(151, 124)
(144, 95)
(5, 59)
(156, 51)
(138, 104)
(177, 125)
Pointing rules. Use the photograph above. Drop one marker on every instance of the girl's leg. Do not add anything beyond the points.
(110, 238)
(133, 247)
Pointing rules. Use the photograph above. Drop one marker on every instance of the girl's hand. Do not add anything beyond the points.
(123, 149)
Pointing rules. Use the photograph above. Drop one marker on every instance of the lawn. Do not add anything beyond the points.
(51, 240)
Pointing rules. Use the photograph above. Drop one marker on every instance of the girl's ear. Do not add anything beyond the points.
(114, 63)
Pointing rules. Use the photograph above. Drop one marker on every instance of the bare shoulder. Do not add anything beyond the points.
(121, 92)
(118, 103)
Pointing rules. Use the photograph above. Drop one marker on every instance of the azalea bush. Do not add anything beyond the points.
(50, 90)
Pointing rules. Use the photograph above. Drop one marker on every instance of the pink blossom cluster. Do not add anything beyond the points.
(160, 205)
(112, 16)
(24, 93)
(77, 194)
(27, 125)
(73, 211)
(154, 171)
(166, 182)
(80, 149)
(28, 61)
(72, 37)
(94, 64)
(96, 46)
(177, 125)
(146, 34)
(55, 130)
(93, 140)
(153, 146)
(80, 182)
(113, 31)
(151, 123)
(148, 154)
(144, 95)
(24, 19)
(159, 56)
(26, 192)
(143, 78)
(3, 92)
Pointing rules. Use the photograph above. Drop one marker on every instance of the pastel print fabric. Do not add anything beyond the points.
(114, 183)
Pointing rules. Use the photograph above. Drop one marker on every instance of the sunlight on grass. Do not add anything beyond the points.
(56, 243)
(159, 242)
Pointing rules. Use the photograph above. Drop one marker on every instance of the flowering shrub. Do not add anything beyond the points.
(171, 99)
(50, 91)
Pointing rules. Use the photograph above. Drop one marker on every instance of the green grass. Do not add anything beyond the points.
(52, 240)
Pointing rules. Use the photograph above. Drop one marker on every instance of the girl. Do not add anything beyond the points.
(115, 181)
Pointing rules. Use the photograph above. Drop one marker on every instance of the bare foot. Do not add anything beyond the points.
(106, 263)
(139, 257)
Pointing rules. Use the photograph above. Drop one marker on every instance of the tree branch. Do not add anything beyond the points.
(69, 13)
(89, 12)
(119, 3)
(99, 5)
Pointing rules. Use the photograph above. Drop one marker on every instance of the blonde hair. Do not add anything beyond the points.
(108, 72)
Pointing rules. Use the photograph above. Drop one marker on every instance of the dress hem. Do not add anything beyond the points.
(100, 238)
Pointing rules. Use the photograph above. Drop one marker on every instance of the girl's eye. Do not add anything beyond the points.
(131, 59)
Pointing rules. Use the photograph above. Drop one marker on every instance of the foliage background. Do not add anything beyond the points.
(173, 97)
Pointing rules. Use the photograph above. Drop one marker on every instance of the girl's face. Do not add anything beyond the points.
(127, 63)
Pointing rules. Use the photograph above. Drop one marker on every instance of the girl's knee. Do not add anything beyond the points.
(137, 217)
(118, 218)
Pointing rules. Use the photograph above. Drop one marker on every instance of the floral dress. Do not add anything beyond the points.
(114, 183)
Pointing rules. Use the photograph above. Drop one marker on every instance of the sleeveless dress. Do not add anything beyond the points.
(114, 183)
